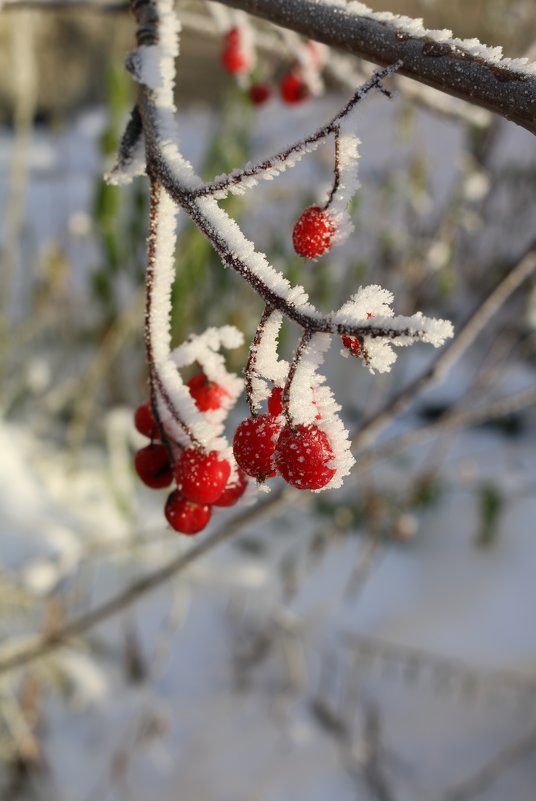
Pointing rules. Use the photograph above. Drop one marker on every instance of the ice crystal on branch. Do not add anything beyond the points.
(191, 428)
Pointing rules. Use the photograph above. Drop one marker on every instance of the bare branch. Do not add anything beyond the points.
(492, 770)
(451, 421)
(41, 646)
(463, 339)
(416, 660)
(443, 64)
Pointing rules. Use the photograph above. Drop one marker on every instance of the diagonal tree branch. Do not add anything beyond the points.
(41, 646)
(452, 352)
(453, 66)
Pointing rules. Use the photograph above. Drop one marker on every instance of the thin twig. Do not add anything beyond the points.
(414, 659)
(452, 352)
(249, 371)
(451, 421)
(492, 770)
(42, 645)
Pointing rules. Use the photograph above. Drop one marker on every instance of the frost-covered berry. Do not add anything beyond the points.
(254, 445)
(207, 394)
(153, 466)
(201, 477)
(293, 88)
(145, 422)
(259, 93)
(234, 491)
(353, 344)
(313, 232)
(275, 402)
(303, 456)
(185, 516)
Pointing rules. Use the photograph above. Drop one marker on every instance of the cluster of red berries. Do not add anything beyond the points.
(201, 478)
(237, 60)
(265, 446)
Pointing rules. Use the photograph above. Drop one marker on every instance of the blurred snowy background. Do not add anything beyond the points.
(375, 643)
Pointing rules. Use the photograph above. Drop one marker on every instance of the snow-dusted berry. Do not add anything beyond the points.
(208, 395)
(313, 233)
(303, 456)
(353, 344)
(293, 88)
(254, 445)
(233, 491)
(153, 466)
(201, 477)
(259, 93)
(185, 516)
(275, 402)
(145, 422)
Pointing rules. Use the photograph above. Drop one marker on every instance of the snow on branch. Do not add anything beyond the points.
(464, 68)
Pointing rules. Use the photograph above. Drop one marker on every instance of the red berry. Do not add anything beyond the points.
(235, 60)
(234, 491)
(302, 456)
(207, 394)
(293, 89)
(313, 232)
(254, 445)
(259, 93)
(185, 516)
(275, 402)
(201, 477)
(153, 466)
(145, 422)
(353, 344)
(232, 37)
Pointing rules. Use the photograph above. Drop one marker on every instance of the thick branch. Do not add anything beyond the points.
(443, 65)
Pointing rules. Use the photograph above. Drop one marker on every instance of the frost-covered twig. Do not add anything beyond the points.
(461, 67)
(288, 157)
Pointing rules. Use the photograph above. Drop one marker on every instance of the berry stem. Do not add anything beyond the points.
(249, 371)
(285, 398)
(336, 169)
